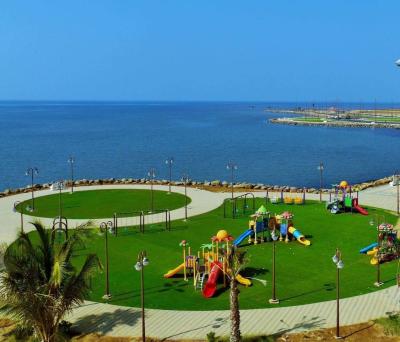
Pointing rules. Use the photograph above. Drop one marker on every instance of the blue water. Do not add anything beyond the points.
(124, 140)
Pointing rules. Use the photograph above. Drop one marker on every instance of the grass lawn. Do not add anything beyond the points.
(308, 119)
(304, 274)
(102, 203)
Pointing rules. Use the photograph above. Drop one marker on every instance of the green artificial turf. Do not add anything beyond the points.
(304, 274)
(94, 204)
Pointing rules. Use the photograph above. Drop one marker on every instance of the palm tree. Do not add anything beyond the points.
(236, 261)
(40, 285)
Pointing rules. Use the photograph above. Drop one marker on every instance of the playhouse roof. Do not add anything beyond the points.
(262, 210)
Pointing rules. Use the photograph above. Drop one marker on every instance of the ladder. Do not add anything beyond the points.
(200, 281)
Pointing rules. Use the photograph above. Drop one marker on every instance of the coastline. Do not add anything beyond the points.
(334, 123)
(214, 186)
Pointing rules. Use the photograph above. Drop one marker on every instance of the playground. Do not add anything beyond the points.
(304, 271)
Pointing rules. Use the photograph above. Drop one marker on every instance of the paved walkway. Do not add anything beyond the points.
(122, 321)
(202, 202)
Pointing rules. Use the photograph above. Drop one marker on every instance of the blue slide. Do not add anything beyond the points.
(368, 248)
(240, 238)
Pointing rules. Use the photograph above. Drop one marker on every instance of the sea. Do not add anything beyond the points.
(127, 139)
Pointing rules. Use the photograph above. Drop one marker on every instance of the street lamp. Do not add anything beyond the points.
(398, 191)
(142, 262)
(232, 167)
(152, 175)
(21, 214)
(71, 161)
(185, 179)
(273, 300)
(321, 170)
(337, 260)
(60, 187)
(105, 226)
(32, 171)
(169, 163)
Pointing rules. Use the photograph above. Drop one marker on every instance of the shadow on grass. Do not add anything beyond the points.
(176, 286)
(326, 287)
(249, 272)
(104, 322)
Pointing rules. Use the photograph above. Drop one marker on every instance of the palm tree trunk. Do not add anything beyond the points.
(235, 313)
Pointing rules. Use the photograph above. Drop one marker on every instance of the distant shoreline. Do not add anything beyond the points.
(334, 123)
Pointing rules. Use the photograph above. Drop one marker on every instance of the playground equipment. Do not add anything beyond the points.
(240, 205)
(386, 248)
(208, 266)
(347, 202)
(262, 225)
(137, 220)
(60, 225)
(287, 199)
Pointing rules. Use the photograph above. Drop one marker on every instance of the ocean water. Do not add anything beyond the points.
(123, 140)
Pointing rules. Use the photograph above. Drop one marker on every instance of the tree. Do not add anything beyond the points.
(39, 285)
(236, 262)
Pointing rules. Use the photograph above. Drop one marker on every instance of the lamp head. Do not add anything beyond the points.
(340, 264)
(145, 261)
(138, 266)
(335, 259)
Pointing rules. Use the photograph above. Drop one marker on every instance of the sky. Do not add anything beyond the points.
(210, 50)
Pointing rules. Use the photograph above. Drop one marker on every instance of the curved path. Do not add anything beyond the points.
(201, 202)
(122, 321)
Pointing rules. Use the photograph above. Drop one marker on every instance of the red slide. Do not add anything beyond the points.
(362, 211)
(211, 286)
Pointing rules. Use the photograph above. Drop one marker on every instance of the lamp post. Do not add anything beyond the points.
(71, 161)
(21, 214)
(32, 171)
(274, 300)
(142, 261)
(185, 180)
(106, 226)
(60, 187)
(169, 163)
(337, 260)
(152, 175)
(321, 170)
(398, 192)
(232, 167)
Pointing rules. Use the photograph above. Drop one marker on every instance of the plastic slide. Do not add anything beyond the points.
(299, 237)
(242, 280)
(368, 248)
(241, 237)
(211, 286)
(174, 271)
(362, 211)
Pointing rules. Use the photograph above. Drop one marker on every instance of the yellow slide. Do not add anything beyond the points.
(242, 280)
(373, 253)
(299, 237)
(171, 273)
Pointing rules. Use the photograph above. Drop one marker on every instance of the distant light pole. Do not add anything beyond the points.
(321, 170)
(232, 167)
(21, 214)
(106, 226)
(60, 187)
(71, 161)
(337, 259)
(185, 180)
(32, 171)
(398, 192)
(274, 237)
(152, 175)
(142, 261)
(170, 162)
